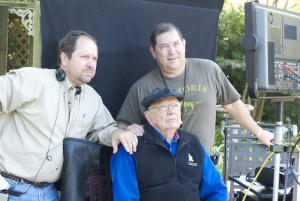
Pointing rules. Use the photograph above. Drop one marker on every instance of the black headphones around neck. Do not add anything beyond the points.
(60, 74)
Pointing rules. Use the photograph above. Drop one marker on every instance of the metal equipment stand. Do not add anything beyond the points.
(278, 147)
(278, 140)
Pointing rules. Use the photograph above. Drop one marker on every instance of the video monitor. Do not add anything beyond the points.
(272, 43)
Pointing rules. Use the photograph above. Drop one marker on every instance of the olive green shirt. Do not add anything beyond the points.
(203, 84)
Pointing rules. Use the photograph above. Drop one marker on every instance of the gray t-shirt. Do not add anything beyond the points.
(204, 87)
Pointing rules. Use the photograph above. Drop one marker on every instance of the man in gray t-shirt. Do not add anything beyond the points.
(201, 81)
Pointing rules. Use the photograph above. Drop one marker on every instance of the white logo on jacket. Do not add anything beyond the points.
(191, 160)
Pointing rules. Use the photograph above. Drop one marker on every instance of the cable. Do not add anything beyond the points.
(287, 76)
(256, 176)
(293, 173)
(49, 158)
(287, 67)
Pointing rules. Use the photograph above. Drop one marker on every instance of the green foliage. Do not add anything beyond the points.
(235, 72)
(231, 59)
(290, 109)
(13, 59)
(231, 32)
(230, 53)
(220, 151)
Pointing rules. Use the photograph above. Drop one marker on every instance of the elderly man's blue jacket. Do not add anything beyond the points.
(154, 174)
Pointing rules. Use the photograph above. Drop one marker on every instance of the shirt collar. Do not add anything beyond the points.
(176, 136)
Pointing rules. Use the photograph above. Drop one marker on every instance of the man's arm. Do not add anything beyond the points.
(241, 115)
(127, 138)
(212, 188)
(112, 136)
(138, 130)
(122, 126)
(123, 175)
(104, 129)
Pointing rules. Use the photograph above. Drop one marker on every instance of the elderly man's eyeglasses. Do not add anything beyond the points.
(164, 108)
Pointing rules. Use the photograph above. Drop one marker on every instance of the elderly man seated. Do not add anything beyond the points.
(169, 164)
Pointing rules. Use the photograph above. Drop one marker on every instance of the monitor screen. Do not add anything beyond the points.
(272, 49)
